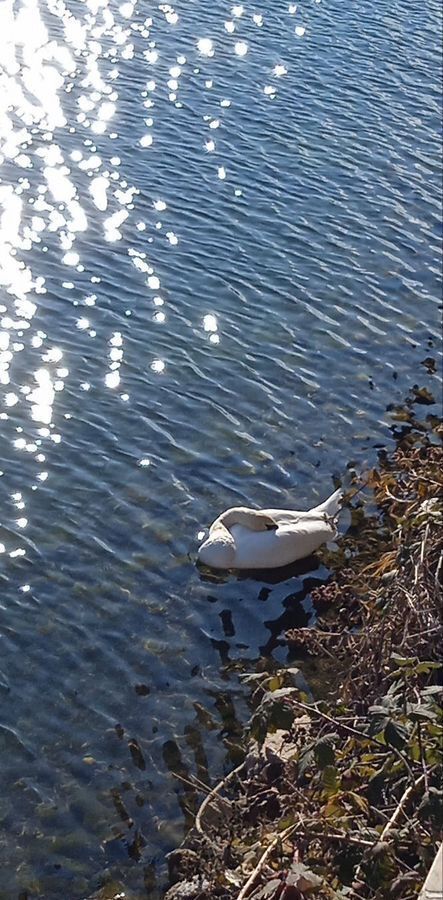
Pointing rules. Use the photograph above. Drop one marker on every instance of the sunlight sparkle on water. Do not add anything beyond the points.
(112, 225)
(151, 56)
(210, 322)
(205, 46)
(241, 48)
(112, 379)
(71, 259)
(54, 354)
(170, 15)
(42, 397)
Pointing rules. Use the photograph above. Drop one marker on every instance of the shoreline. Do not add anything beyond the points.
(339, 796)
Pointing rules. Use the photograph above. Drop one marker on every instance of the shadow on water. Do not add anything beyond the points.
(269, 576)
(296, 612)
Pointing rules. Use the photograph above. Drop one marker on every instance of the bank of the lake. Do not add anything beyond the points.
(339, 796)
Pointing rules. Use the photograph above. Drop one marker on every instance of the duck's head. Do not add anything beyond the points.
(217, 552)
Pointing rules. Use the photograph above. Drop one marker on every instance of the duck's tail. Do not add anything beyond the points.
(331, 507)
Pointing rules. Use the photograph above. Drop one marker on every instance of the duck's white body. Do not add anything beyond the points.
(243, 538)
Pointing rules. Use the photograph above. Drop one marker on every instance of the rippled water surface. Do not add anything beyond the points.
(220, 236)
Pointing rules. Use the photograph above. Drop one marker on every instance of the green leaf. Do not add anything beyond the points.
(324, 751)
(433, 756)
(376, 787)
(360, 802)
(422, 712)
(306, 759)
(397, 686)
(278, 694)
(403, 660)
(333, 809)
(303, 879)
(395, 734)
(377, 726)
(269, 891)
(280, 717)
(259, 728)
(414, 751)
(331, 780)
(425, 667)
(435, 730)
(432, 689)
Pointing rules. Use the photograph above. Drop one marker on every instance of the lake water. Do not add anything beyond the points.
(220, 250)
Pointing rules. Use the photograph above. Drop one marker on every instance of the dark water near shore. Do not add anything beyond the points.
(220, 261)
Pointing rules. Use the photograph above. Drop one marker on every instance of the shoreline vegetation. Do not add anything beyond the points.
(340, 795)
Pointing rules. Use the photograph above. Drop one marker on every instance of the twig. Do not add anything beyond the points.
(350, 494)
(298, 832)
(391, 822)
(427, 631)
(357, 733)
(422, 757)
(397, 499)
(423, 544)
(326, 836)
(196, 784)
(338, 723)
(437, 573)
(250, 883)
(399, 808)
(409, 599)
(212, 795)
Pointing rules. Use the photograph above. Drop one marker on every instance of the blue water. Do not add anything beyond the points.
(220, 264)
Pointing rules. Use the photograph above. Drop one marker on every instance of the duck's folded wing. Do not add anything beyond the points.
(283, 516)
(252, 519)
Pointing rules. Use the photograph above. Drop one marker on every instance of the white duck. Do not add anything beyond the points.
(243, 538)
